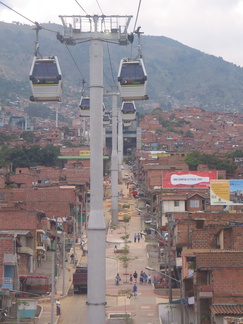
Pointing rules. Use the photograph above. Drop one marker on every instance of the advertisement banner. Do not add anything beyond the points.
(187, 179)
(226, 192)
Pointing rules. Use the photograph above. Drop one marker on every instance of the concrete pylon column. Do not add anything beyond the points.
(114, 164)
(96, 224)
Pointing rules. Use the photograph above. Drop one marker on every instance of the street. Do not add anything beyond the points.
(73, 309)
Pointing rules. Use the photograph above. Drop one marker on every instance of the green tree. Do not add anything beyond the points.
(29, 137)
(192, 160)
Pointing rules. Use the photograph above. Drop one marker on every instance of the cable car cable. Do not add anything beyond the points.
(75, 63)
(17, 12)
(81, 7)
(112, 73)
(33, 22)
(99, 7)
(137, 15)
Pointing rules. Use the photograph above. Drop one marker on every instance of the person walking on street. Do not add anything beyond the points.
(135, 276)
(138, 237)
(131, 279)
(149, 279)
(58, 307)
(118, 279)
(135, 237)
(135, 290)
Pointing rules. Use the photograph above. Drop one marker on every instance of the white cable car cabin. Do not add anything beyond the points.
(45, 79)
(132, 80)
(128, 111)
(84, 106)
(126, 124)
(106, 119)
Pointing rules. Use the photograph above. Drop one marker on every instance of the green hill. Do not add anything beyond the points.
(178, 75)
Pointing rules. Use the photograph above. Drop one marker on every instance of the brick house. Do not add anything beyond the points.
(213, 283)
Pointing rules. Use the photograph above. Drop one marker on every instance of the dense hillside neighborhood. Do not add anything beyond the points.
(201, 237)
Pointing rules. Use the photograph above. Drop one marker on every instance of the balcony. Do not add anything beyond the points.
(8, 283)
(205, 291)
(10, 258)
(25, 250)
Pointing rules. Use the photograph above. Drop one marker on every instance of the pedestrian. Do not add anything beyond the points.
(135, 276)
(135, 290)
(145, 277)
(72, 258)
(141, 278)
(131, 278)
(118, 279)
(58, 307)
(135, 237)
(138, 237)
(149, 279)
(115, 249)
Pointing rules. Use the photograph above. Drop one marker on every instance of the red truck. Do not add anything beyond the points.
(80, 280)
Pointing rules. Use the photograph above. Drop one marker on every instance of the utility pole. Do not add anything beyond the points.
(63, 262)
(96, 29)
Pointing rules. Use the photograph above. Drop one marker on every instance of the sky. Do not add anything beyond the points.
(211, 26)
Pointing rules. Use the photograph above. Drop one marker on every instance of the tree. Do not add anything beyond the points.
(193, 159)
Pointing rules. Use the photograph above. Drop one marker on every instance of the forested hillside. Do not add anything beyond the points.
(178, 75)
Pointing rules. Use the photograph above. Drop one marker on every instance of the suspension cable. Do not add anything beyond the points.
(137, 15)
(99, 7)
(81, 7)
(76, 64)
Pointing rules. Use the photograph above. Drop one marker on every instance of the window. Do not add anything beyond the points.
(176, 203)
(194, 203)
(1, 196)
(200, 223)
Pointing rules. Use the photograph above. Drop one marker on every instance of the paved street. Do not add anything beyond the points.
(142, 308)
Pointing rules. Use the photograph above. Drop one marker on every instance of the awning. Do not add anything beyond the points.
(227, 309)
(40, 231)
(40, 248)
(178, 301)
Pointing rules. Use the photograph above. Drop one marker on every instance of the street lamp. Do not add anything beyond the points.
(181, 293)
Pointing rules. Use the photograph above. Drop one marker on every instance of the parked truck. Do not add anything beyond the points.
(80, 280)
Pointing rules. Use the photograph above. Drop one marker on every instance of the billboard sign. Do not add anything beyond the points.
(187, 179)
(226, 192)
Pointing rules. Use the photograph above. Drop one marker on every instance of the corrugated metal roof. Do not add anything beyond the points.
(227, 309)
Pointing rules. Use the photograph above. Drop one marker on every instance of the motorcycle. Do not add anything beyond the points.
(3, 315)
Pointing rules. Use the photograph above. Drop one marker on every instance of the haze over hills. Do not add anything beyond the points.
(178, 75)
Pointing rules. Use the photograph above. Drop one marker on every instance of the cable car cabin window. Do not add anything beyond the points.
(84, 104)
(132, 74)
(128, 108)
(45, 72)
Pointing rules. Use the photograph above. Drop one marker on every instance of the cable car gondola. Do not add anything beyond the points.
(84, 107)
(106, 118)
(132, 80)
(45, 79)
(126, 124)
(128, 110)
